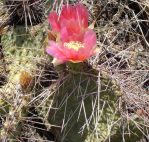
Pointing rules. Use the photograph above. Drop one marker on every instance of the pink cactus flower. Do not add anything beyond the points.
(76, 42)
(74, 51)
(71, 23)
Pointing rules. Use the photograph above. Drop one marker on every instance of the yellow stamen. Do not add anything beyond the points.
(76, 45)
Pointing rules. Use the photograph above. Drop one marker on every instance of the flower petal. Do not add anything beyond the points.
(57, 62)
(89, 39)
(89, 43)
(53, 21)
(64, 35)
(82, 14)
(77, 13)
(69, 34)
(55, 50)
(68, 12)
(73, 55)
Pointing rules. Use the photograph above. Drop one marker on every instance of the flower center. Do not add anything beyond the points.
(76, 45)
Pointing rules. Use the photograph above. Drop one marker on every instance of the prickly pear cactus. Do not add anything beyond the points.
(22, 51)
(81, 112)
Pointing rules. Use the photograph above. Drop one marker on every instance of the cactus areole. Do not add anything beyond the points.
(75, 41)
